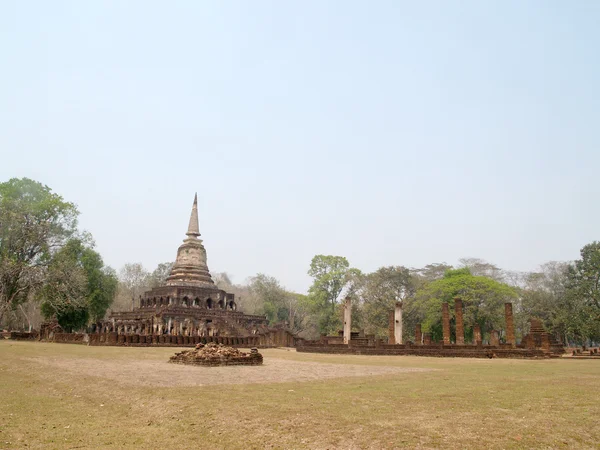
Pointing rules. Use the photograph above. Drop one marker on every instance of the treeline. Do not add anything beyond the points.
(566, 296)
(49, 269)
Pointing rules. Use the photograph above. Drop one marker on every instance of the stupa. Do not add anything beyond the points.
(189, 304)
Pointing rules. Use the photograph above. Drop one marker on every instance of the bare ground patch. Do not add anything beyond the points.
(163, 374)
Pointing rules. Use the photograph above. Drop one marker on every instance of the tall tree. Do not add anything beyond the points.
(382, 289)
(584, 276)
(34, 223)
(545, 295)
(272, 295)
(583, 288)
(78, 286)
(63, 294)
(331, 276)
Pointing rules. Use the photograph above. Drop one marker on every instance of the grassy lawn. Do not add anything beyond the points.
(45, 402)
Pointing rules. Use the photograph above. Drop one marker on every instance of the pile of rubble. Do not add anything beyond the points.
(213, 354)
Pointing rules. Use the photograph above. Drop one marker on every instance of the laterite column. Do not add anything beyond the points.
(510, 325)
(446, 323)
(418, 335)
(391, 337)
(477, 334)
(460, 328)
(427, 339)
(494, 338)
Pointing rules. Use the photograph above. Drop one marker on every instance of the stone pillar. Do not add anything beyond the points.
(169, 326)
(510, 325)
(460, 328)
(391, 332)
(477, 334)
(427, 338)
(494, 338)
(398, 323)
(418, 335)
(347, 320)
(446, 323)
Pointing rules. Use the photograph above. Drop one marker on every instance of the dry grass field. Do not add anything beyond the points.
(71, 396)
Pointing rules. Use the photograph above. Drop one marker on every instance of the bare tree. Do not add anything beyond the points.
(133, 281)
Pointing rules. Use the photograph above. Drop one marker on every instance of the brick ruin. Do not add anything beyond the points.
(213, 355)
(536, 344)
(189, 309)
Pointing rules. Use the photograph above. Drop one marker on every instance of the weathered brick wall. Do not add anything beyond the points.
(462, 351)
(21, 336)
(70, 338)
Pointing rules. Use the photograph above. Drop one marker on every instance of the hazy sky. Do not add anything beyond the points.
(389, 132)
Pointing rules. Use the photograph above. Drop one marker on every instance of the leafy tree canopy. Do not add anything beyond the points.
(78, 286)
(159, 276)
(34, 224)
(483, 299)
(584, 276)
(331, 276)
(381, 290)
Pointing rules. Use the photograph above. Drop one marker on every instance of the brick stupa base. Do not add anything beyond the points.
(212, 355)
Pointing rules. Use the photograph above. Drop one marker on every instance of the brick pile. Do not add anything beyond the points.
(213, 354)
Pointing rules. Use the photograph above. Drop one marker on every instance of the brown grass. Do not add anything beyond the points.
(70, 396)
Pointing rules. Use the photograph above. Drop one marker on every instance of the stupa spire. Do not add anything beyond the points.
(193, 228)
(190, 267)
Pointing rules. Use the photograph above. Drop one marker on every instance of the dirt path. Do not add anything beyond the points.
(160, 373)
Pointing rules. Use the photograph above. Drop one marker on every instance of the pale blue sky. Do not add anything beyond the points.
(390, 132)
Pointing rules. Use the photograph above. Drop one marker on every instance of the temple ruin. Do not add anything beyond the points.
(189, 309)
(213, 355)
(536, 344)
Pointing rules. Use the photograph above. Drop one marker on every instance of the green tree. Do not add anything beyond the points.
(584, 276)
(583, 289)
(78, 286)
(63, 294)
(279, 305)
(483, 300)
(382, 289)
(159, 276)
(272, 296)
(331, 276)
(544, 295)
(102, 284)
(34, 224)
